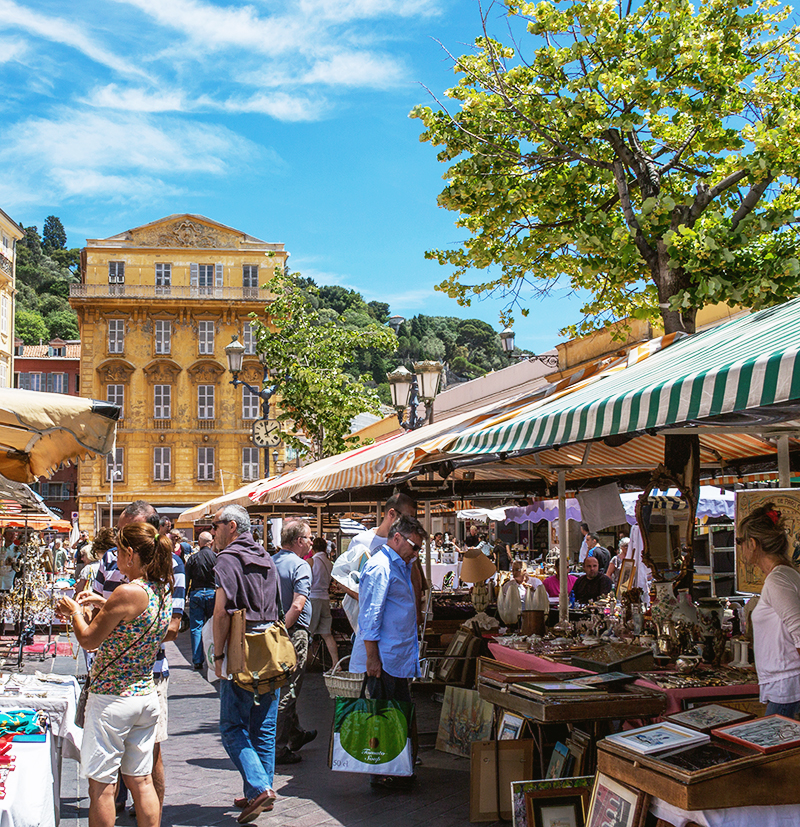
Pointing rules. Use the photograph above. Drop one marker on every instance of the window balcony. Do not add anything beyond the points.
(161, 424)
(206, 424)
(172, 292)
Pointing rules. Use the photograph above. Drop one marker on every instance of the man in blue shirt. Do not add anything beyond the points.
(386, 646)
(294, 585)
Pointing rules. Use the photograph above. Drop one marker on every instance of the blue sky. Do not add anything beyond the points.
(288, 120)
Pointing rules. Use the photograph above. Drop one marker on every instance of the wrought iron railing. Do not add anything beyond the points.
(150, 291)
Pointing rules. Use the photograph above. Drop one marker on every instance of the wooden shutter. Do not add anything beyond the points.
(50, 383)
(217, 275)
(194, 274)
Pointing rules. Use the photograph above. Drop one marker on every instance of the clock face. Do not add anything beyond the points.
(266, 433)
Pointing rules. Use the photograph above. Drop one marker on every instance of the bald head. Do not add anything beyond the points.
(205, 539)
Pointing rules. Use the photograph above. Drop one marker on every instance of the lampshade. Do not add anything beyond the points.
(400, 386)
(428, 375)
(476, 566)
(234, 353)
(507, 340)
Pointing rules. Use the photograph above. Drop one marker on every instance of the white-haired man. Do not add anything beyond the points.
(201, 588)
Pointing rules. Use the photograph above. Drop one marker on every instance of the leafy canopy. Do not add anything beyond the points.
(648, 155)
(307, 351)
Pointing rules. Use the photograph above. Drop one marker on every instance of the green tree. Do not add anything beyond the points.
(62, 324)
(307, 354)
(30, 327)
(647, 155)
(54, 236)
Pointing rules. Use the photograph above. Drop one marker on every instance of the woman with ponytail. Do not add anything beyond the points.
(763, 542)
(122, 709)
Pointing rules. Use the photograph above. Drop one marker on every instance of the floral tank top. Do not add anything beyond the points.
(132, 647)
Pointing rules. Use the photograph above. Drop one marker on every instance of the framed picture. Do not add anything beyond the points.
(658, 738)
(490, 797)
(627, 577)
(771, 734)
(465, 718)
(706, 718)
(510, 727)
(450, 667)
(542, 800)
(615, 805)
(557, 768)
(749, 577)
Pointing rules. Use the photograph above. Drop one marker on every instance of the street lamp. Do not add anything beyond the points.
(507, 341)
(234, 352)
(409, 389)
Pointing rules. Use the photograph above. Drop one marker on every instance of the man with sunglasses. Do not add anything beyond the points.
(386, 646)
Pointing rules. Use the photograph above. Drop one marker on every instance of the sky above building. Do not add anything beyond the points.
(287, 119)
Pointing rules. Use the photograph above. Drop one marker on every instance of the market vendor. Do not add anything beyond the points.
(591, 584)
(552, 584)
(763, 542)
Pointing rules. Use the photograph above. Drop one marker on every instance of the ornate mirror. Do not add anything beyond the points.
(667, 526)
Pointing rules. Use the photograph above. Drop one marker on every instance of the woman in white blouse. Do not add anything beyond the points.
(763, 542)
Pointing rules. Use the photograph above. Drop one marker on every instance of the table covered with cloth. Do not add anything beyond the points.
(32, 788)
(765, 815)
(676, 696)
(56, 695)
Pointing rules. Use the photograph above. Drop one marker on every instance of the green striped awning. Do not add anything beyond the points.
(747, 363)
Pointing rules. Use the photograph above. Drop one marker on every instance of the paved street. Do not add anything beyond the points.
(202, 782)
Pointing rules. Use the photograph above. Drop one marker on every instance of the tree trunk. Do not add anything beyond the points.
(670, 281)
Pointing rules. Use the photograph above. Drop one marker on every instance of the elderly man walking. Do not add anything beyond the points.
(386, 646)
(294, 576)
(200, 586)
(246, 579)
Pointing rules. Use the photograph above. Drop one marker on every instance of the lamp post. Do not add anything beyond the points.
(507, 341)
(409, 389)
(234, 353)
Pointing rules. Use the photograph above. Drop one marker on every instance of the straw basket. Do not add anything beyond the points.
(343, 684)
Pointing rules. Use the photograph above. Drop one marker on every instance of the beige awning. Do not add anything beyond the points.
(238, 497)
(39, 431)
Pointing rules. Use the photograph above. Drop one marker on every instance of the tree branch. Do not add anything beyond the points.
(706, 195)
(750, 200)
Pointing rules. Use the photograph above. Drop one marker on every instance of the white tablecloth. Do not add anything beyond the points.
(57, 696)
(782, 815)
(32, 788)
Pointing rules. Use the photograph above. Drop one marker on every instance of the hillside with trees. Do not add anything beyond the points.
(45, 270)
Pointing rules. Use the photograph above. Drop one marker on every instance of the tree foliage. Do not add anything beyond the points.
(30, 327)
(307, 353)
(44, 275)
(647, 154)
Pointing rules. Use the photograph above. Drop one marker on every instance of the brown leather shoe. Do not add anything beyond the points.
(260, 804)
(240, 803)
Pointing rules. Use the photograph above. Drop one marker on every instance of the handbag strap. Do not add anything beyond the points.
(125, 651)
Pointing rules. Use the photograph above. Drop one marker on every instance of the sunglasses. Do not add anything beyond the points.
(414, 547)
(219, 523)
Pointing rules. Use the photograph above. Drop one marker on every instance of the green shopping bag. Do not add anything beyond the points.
(372, 736)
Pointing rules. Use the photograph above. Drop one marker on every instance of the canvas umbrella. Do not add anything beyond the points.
(40, 431)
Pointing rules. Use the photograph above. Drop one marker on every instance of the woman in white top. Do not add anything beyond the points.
(763, 542)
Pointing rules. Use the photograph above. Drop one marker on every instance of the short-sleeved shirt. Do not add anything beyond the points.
(586, 589)
(108, 577)
(294, 577)
(321, 568)
(200, 569)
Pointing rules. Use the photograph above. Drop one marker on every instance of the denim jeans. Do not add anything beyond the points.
(201, 608)
(788, 710)
(248, 735)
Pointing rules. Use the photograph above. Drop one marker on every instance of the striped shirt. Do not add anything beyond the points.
(109, 577)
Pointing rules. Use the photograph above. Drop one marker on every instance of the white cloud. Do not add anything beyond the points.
(12, 49)
(362, 69)
(128, 156)
(345, 10)
(60, 30)
(135, 99)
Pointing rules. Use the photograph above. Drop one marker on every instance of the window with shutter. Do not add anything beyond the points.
(248, 339)
(205, 337)
(162, 401)
(250, 275)
(205, 279)
(163, 279)
(115, 466)
(163, 337)
(162, 464)
(115, 394)
(205, 463)
(249, 404)
(4, 306)
(35, 381)
(218, 273)
(250, 464)
(205, 401)
(3, 375)
(116, 335)
(194, 274)
(116, 272)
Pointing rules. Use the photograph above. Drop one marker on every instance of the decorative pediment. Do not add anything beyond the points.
(162, 371)
(189, 232)
(253, 373)
(205, 371)
(115, 371)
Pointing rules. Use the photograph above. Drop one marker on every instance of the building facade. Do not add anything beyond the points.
(10, 234)
(156, 307)
(55, 368)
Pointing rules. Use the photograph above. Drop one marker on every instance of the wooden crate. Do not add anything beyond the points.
(749, 781)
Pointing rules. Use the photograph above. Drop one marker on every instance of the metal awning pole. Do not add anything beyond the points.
(563, 549)
(427, 526)
(784, 469)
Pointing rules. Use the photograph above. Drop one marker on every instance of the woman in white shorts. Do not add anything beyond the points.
(122, 710)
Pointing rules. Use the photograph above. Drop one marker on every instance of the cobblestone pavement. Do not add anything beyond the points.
(202, 782)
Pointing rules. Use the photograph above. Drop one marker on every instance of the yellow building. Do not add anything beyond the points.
(10, 234)
(156, 306)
